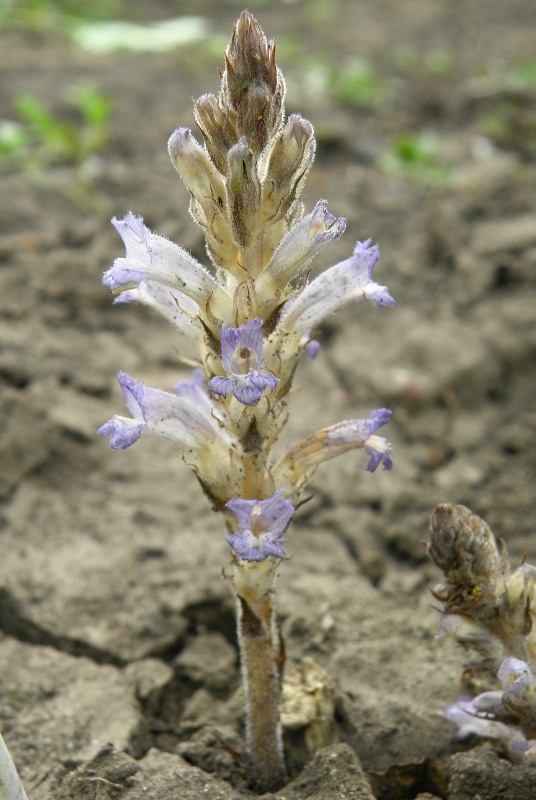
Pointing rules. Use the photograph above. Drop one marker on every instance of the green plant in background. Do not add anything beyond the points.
(436, 63)
(416, 156)
(53, 16)
(357, 83)
(43, 138)
(511, 121)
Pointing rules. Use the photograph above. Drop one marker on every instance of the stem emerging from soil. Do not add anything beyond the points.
(261, 663)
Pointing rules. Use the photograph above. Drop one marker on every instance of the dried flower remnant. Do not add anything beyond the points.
(249, 318)
(489, 608)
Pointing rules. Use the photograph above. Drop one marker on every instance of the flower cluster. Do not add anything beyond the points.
(253, 313)
(491, 609)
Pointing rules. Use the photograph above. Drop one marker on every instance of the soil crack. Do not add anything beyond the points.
(14, 623)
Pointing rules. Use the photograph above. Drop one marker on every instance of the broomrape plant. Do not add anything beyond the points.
(491, 609)
(250, 318)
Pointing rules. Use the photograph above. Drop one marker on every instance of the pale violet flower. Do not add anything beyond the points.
(301, 244)
(152, 257)
(261, 525)
(347, 281)
(175, 416)
(242, 355)
(348, 434)
(299, 464)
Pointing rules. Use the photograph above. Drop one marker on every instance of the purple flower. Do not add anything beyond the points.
(261, 524)
(360, 432)
(242, 355)
(152, 257)
(180, 417)
(299, 464)
(341, 284)
(301, 244)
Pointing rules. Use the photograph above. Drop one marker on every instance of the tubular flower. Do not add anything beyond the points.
(299, 464)
(261, 524)
(242, 355)
(152, 257)
(301, 244)
(178, 417)
(339, 285)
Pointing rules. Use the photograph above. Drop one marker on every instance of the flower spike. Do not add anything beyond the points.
(248, 319)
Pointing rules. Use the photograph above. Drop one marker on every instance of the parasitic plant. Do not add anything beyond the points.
(491, 609)
(250, 317)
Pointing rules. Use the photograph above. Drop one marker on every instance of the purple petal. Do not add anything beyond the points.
(123, 432)
(277, 512)
(248, 389)
(221, 386)
(261, 526)
(242, 510)
(242, 348)
(253, 548)
(378, 417)
(378, 457)
(312, 348)
(133, 394)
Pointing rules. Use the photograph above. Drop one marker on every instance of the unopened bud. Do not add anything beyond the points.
(243, 191)
(250, 60)
(216, 125)
(290, 160)
(462, 545)
(193, 164)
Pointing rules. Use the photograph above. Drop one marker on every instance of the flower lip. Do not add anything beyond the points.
(242, 355)
(261, 524)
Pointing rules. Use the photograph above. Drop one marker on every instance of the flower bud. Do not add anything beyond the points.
(201, 177)
(243, 191)
(290, 160)
(252, 85)
(216, 125)
(462, 545)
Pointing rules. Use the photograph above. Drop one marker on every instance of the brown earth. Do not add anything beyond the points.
(118, 662)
